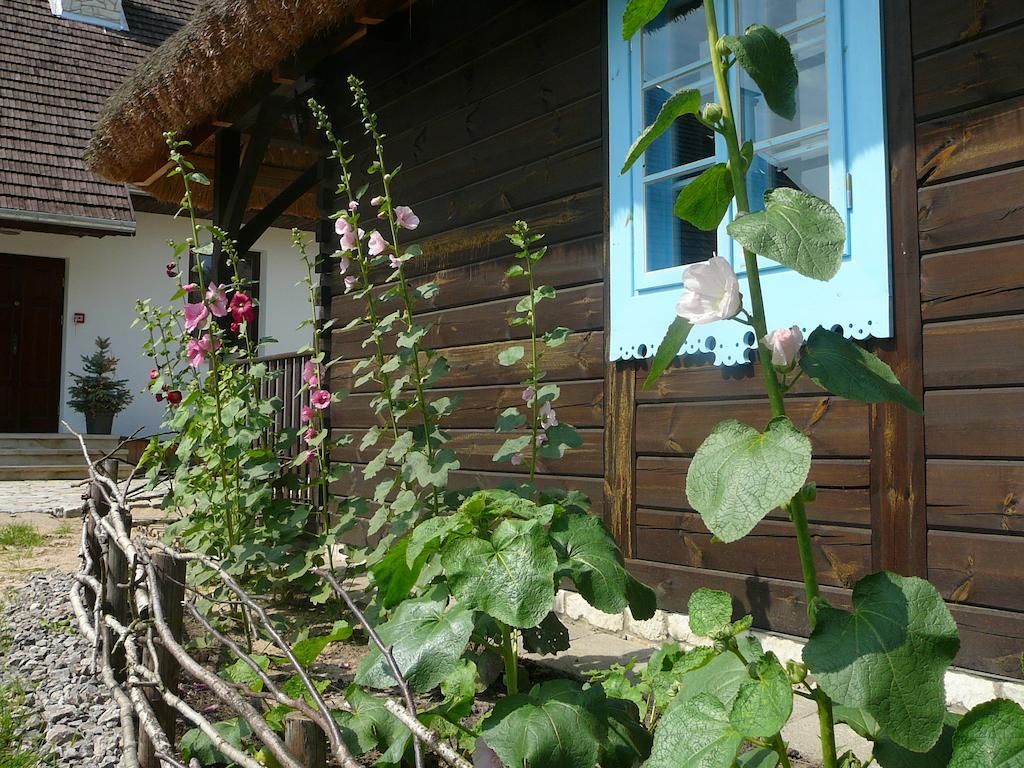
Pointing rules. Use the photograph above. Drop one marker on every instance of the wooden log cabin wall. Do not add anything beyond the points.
(498, 111)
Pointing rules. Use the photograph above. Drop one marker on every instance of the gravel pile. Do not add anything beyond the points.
(43, 650)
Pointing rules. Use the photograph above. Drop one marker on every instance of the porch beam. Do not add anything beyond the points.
(253, 229)
(240, 191)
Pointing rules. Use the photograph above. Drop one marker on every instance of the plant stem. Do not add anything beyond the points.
(757, 318)
(534, 364)
(780, 749)
(509, 654)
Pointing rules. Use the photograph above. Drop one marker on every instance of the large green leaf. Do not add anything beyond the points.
(888, 754)
(551, 636)
(739, 475)
(628, 742)
(427, 639)
(394, 575)
(685, 102)
(709, 611)
(888, 656)
(763, 705)
(558, 723)
(722, 677)
(990, 735)
(797, 230)
(758, 758)
(704, 201)
(838, 365)
(638, 13)
(367, 725)
(511, 577)
(674, 339)
(695, 733)
(767, 57)
(589, 556)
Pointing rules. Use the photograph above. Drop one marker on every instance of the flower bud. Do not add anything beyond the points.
(784, 344)
(712, 113)
(796, 671)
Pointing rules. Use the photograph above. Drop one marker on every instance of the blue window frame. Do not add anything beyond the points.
(833, 148)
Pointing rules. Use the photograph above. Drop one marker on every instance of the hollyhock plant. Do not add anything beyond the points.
(196, 350)
(308, 414)
(376, 245)
(242, 308)
(376, 201)
(343, 264)
(171, 269)
(196, 315)
(528, 394)
(711, 292)
(342, 226)
(353, 205)
(406, 218)
(311, 373)
(350, 282)
(394, 261)
(309, 434)
(548, 418)
(154, 374)
(320, 399)
(350, 238)
(217, 300)
(174, 397)
(784, 344)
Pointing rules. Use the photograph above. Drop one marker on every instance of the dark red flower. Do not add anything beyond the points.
(174, 397)
(235, 327)
(172, 269)
(159, 397)
(242, 309)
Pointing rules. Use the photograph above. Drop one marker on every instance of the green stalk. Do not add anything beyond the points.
(780, 749)
(509, 654)
(775, 391)
(534, 365)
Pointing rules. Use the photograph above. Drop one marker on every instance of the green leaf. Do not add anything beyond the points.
(758, 758)
(628, 743)
(196, 744)
(556, 336)
(427, 640)
(891, 755)
(510, 577)
(589, 555)
(704, 201)
(695, 733)
(551, 636)
(685, 102)
(839, 366)
(674, 339)
(638, 13)
(509, 421)
(369, 726)
(764, 704)
(710, 611)
(240, 672)
(888, 656)
(990, 735)
(797, 230)
(739, 475)
(557, 723)
(511, 355)
(767, 57)
(309, 649)
(722, 677)
(394, 575)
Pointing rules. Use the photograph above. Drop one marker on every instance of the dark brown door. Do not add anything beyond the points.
(31, 318)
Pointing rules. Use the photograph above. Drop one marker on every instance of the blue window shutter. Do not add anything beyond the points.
(858, 299)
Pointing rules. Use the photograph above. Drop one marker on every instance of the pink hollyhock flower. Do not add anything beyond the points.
(711, 292)
(547, 416)
(350, 238)
(350, 282)
(394, 261)
(154, 374)
(406, 218)
(320, 399)
(310, 456)
(344, 264)
(196, 316)
(517, 459)
(217, 299)
(307, 413)
(541, 439)
(189, 287)
(377, 201)
(197, 349)
(376, 244)
(309, 434)
(171, 269)
(342, 226)
(528, 394)
(235, 327)
(174, 397)
(242, 308)
(353, 205)
(784, 344)
(311, 373)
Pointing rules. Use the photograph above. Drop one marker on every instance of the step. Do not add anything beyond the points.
(47, 472)
(102, 443)
(51, 456)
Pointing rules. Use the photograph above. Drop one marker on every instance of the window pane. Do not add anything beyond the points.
(672, 242)
(759, 122)
(674, 38)
(687, 140)
(778, 13)
(799, 165)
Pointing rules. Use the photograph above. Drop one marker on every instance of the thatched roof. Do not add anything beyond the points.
(196, 74)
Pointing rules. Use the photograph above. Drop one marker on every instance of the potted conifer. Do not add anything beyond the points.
(96, 393)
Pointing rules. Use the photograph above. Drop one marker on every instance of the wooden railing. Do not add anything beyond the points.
(285, 382)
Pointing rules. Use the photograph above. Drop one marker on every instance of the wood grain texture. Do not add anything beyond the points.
(986, 496)
(987, 280)
(990, 640)
(977, 569)
(971, 211)
(836, 427)
(975, 422)
(620, 454)
(978, 72)
(975, 141)
(980, 352)
(694, 381)
(943, 23)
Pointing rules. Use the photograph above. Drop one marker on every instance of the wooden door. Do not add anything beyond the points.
(31, 320)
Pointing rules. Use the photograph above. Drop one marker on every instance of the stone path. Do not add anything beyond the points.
(56, 497)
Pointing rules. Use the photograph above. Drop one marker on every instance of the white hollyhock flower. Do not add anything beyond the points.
(711, 292)
(784, 344)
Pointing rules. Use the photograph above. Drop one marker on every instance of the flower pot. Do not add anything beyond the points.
(99, 423)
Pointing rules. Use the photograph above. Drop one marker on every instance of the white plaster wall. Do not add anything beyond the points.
(106, 275)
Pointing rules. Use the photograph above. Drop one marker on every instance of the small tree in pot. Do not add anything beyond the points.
(96, 393)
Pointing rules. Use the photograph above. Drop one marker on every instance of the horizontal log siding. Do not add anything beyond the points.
(969, 112)
(495, 115)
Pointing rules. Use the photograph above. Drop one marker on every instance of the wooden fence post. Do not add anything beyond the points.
(305, 740)
(115, 577)
(170, 583)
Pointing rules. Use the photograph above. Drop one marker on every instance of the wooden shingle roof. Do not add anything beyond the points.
(55, 75)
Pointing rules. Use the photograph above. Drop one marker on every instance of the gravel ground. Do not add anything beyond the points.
(44, 652)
